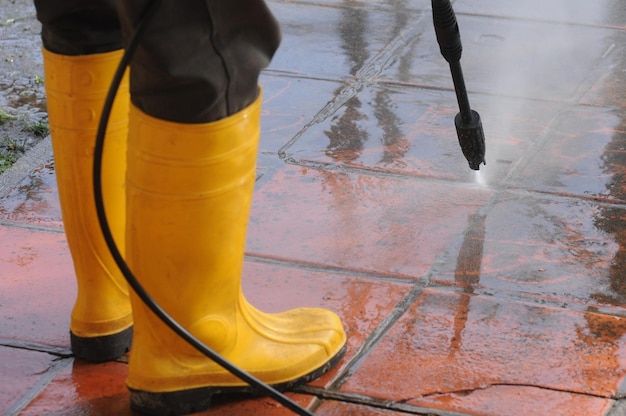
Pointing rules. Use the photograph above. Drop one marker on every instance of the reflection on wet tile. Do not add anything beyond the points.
(450, 348)
(37, 286)
(411, 131)
(100, 390)
(362, 304)
(335, 42)
(585, 155)
(559, 250)
(85, 389)
(403, 4)
(20, 370)
(358, 222)
(289, 104)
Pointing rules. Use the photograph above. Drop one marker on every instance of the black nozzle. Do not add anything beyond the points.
(472, 139)
(469, 128)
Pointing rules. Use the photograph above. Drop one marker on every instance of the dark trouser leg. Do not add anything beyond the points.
(199, 60)
(79, 27)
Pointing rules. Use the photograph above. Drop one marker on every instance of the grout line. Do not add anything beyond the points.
(357, 5)
(504, 186)
(572, 102)
(282, 73)
(33, 227)
(373, 402)
(56, 367)
(543, 21)
(603, 202)
(370, 342)
(564, 102)
(324, 268)
(365, 76)
(379, 173)
(346, 92)
(61, 352)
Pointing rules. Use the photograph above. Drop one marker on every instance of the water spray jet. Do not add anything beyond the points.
(469, 128)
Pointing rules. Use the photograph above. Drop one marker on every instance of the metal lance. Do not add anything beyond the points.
(469, 128)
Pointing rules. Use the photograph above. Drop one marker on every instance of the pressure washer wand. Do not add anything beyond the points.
(469, 128)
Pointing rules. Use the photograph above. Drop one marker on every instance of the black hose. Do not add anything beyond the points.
(119, 260)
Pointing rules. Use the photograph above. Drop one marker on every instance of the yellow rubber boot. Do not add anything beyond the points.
(189, 192)
(76, 87)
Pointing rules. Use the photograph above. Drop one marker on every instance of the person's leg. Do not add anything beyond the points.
(78, 27)
(193, 140)
(81, 48)
(199, 61)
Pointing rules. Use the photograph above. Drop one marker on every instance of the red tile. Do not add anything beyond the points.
(21, 371)
(37, 285)
(100, 390)
(358, 222)
(336, 42)
(38, 302)
(461, 350)
(85, 389)
(336, 408)
(362, 304)
(288, 105)
(564, 251)
(411, 132)
(583, 156)
(518, 400)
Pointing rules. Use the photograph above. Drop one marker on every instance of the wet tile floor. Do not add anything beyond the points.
(499, 294)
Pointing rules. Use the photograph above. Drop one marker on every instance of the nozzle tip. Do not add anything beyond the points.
(475, 165)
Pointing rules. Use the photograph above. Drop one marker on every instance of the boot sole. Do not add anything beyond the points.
(101, 349)
(199, 399)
